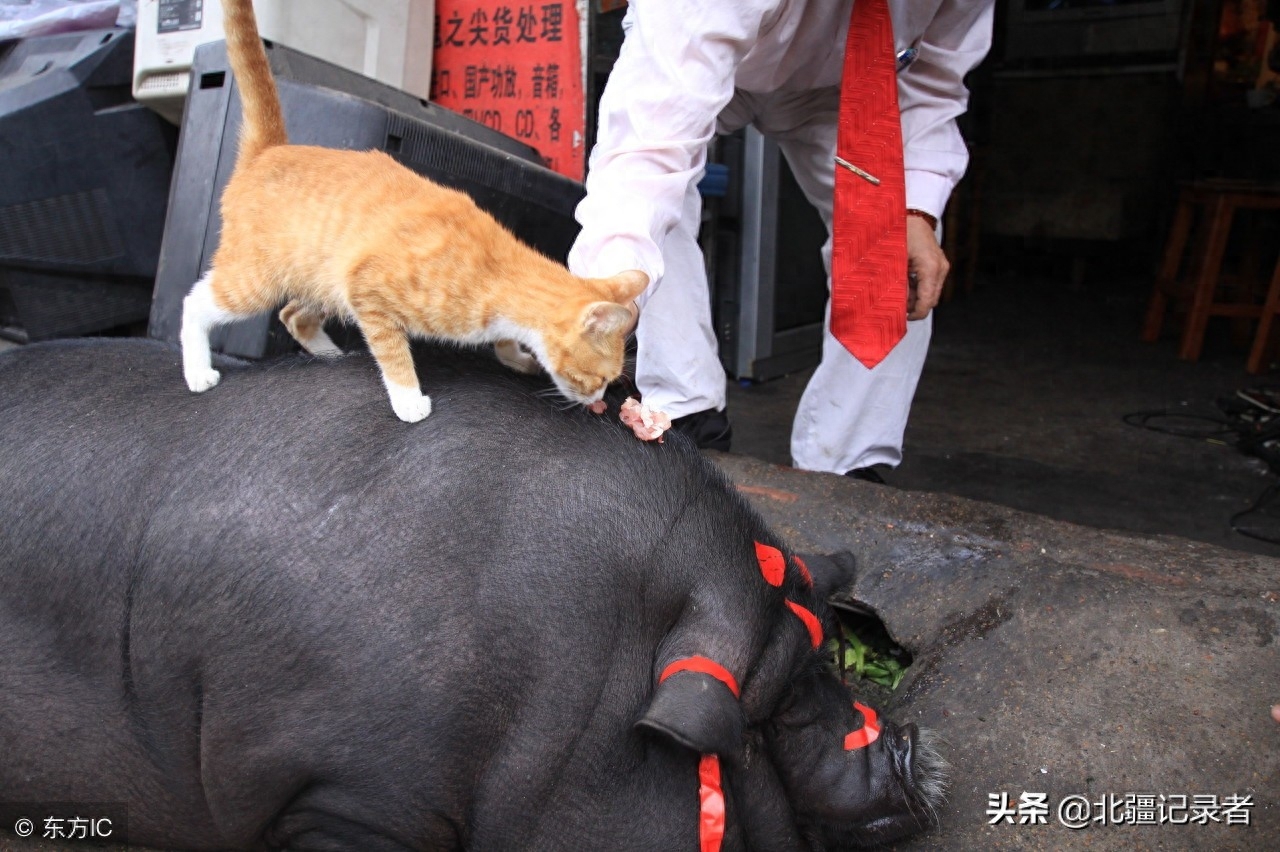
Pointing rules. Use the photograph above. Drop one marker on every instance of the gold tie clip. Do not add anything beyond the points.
(867, 176)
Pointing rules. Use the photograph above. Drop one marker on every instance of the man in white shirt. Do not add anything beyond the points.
(689, 69)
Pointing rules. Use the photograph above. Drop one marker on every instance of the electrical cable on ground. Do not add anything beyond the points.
(1249, 422)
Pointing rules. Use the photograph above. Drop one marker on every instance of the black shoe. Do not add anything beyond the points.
(709, 429)
(867, 474)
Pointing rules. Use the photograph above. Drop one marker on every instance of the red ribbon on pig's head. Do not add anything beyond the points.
(772, 564)
(810, 622)
(868, 733)
(804, 571)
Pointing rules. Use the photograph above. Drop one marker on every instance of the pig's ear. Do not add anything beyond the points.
(696, 709)
(831, 573)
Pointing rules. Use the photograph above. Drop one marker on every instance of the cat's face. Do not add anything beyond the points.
(585, 353)
(584, 361)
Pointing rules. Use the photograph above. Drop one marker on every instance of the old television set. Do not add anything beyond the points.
(388, 40)
(84, 177)
(1085, 31)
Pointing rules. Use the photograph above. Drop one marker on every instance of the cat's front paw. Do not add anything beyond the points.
(201, 380)
(409, 404)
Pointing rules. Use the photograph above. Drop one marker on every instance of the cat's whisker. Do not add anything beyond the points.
(561, 402)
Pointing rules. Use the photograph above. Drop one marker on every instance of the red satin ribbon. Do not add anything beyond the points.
(810, 622)
(772, 565)
(868, 733)
(804, 571)
(702, 665)
(712, 812)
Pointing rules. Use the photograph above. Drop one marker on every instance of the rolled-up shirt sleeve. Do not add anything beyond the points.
(673, 76)
(931, 94)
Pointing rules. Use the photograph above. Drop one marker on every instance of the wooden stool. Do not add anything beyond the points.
(1220, 199)
(1269, 311)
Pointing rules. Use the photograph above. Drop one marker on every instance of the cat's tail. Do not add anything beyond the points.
(262, 125)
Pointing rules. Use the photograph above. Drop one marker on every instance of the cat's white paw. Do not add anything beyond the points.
(409, 404)
(201, 380)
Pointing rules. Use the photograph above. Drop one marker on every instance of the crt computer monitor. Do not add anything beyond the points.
(84, 179)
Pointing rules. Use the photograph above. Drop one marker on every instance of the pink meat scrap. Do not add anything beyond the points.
(648, 423)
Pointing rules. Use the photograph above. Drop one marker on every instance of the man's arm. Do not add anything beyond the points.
(658, 111)
(931, 94)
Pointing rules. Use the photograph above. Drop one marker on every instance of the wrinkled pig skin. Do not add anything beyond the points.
(275, 616)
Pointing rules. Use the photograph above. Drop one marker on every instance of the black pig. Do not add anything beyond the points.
(274, 616)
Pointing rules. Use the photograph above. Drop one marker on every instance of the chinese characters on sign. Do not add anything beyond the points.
(1078, 811)
(517, 68)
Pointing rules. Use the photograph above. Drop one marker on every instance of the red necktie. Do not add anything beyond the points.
(869, 251)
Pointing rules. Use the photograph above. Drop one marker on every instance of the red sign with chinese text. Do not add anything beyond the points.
(515, 67)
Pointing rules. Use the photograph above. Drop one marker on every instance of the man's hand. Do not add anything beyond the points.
(927, 267)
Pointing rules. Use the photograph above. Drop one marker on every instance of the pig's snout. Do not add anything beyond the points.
(908, 797)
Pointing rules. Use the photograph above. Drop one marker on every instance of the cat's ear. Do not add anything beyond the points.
(603, 319)
(626, 286)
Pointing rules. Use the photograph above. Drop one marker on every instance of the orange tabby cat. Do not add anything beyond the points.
(356, 235)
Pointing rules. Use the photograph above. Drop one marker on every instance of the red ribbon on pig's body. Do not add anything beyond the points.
(711, 813)
(711, 807)
(702, 665)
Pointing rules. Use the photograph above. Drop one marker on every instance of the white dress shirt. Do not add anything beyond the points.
(679, 66)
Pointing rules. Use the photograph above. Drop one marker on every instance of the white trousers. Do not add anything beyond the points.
(849, 416)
